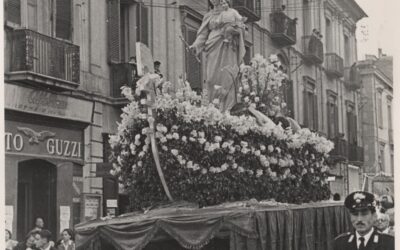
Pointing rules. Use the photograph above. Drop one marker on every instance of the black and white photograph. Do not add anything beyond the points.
(199, 124)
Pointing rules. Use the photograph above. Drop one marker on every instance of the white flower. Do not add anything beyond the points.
(204, 171)
(270, 148)
(175, 136)
(184, 139)
(244, 144)
(193, 133)
(257, 153)
(140, 163)
(143, 101)
(202, 134)
(224, 166)
(165, 148)
(278, 150)
(257, 99)
(174, 152)
(137, 137)
(218, 138)
(246, 99)
(240, 169)
(262, 148)
(202, 140)
(163, 140)
(192, 139)
(169, 136)
(141, 154)
(259, 172)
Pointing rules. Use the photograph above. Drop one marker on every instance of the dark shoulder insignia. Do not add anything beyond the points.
(343, 235)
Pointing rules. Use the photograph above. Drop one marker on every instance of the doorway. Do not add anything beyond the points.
(37, 184)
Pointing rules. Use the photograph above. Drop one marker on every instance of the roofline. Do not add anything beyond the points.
(354, 8)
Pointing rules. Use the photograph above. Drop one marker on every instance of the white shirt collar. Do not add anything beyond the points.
(366, 237)
(386, 231)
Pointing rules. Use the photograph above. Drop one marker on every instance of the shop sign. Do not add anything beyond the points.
(46, 103)
(32, 139)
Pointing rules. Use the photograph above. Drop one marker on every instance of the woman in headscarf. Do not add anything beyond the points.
(223, 56)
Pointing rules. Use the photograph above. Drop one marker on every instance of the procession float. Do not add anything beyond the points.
(224, 169)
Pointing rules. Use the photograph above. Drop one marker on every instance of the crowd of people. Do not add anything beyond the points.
(40, 238)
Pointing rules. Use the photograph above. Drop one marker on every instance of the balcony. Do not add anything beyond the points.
(356, 153)
(313, 49)
(283, 29)
(37, 58)
(248, 8)
(334, 65)
(340, 151)
(122, 74)
(352, 77)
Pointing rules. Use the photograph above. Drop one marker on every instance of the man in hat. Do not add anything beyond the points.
(361, 206)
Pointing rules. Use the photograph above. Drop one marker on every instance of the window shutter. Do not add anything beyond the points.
(193, 67)
(315, 112)
(336, 120)
(305, 108)
(114, 32)
(14, 11)
(143, 24)
(289, 98)
(63, 19)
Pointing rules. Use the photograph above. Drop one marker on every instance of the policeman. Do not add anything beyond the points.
(361, 206)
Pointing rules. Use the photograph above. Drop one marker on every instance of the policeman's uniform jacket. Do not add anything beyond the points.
(377, 241)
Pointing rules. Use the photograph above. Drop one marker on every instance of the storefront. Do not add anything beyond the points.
(44, 143)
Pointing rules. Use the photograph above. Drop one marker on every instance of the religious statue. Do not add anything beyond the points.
(221, 38)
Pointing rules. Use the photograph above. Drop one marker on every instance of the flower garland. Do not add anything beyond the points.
(210, 157)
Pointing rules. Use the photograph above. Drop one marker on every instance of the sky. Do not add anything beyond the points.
(379, 28)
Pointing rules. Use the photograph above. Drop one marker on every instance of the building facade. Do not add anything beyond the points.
(66, 60)
(377, 124)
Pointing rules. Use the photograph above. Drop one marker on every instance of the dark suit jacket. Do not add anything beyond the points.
(378, 241)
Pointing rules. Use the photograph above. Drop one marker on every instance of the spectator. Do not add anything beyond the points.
(27, 244)
(10, 244)
(67, 242)
(44, 243)
(157, 70)
(382, 223)
(39, 225)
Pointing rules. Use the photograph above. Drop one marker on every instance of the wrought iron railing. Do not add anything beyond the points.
(283, 28)
(248, 8)
(341, 148)
(355, 153)
(352, 77)
(44, 55)
(334, 64)
(313, 49)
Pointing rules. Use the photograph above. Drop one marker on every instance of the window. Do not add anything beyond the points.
(389, 107)
(391, 160)
(127, 24)
(64, 19)
(307, 17)
(32, 14)
(310, 104)
(328, 36)
(379, 108)
(193, 67)
(381, 158)
(347, 51)
(351, 124)
(332, 113)
(13, 11)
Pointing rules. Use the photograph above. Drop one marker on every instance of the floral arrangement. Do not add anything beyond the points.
(210, 157)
